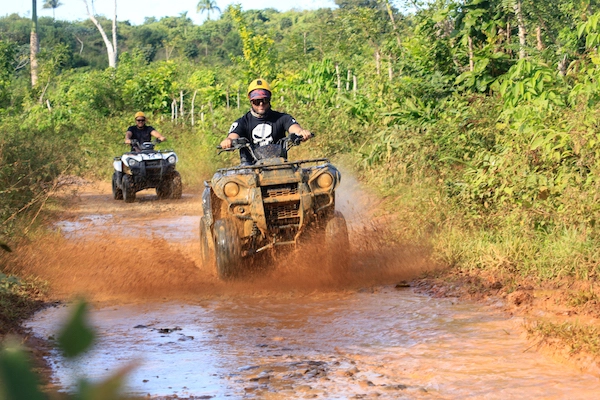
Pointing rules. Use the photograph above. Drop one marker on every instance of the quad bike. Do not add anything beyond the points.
(253, 209)
(144, 167)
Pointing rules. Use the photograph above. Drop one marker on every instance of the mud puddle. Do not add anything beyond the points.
(387, 343)
(292, 331)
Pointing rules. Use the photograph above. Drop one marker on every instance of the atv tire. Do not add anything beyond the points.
(128, 189)
(163, 190)
(337, 244)
(176, 186)
(228, 249)
(207, 245)
(116, 189)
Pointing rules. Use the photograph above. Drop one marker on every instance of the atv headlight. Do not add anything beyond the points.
(231, 189)
(132, 162)
(325, 180)
(172, 159)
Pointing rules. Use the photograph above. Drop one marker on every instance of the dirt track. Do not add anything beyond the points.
(295, 331)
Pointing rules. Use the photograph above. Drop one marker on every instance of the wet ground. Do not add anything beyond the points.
(294, 331)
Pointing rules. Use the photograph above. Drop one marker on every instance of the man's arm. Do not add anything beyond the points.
(298, 130)
(226, 143)
(128, 135)
(157, 135)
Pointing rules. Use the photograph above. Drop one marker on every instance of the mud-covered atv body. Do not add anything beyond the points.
(144, 167)
(252, 209)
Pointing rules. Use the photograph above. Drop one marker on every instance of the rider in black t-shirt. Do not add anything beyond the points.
(141, 132)
(262, 125)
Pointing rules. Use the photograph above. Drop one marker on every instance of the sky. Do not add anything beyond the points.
(136, 11)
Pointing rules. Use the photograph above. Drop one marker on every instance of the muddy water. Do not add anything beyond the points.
(293, 331)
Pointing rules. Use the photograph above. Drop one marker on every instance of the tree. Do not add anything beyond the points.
(34, 46)
(53, 4)
(111, 48)
(207, 6)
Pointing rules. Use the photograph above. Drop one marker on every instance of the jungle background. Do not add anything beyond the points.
(475, 120)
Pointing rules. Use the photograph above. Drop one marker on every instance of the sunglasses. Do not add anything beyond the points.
(140, 120)
(258, 102)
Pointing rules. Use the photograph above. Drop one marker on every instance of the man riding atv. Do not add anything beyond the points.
(141, 133)
(262, 125)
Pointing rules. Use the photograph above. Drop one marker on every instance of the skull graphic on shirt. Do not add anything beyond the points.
(262, 134)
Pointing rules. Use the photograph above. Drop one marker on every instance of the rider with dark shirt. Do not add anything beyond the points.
(142, 132)
(262, 125)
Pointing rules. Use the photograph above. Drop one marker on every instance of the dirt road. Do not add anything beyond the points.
(294, 332)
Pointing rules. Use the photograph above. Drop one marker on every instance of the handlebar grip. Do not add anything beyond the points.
(219, 147)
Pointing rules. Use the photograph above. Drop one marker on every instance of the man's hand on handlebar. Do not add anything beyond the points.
(305, 134)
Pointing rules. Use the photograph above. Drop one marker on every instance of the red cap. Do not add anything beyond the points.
(259, 94)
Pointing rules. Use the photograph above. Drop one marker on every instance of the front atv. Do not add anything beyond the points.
(247, 210)
(144, 167)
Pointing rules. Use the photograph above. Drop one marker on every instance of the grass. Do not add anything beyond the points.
(578, 338)
(19, 299)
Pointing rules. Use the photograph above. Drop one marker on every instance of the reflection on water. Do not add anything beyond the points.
(389, 344)
(176, 228)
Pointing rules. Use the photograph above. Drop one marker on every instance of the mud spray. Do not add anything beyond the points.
(107, 250)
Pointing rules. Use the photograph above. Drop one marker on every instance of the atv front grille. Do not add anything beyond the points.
(282, 205)
(279, 190)
(153, 164)
(282, 214)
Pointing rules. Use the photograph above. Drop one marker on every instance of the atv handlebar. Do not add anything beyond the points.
(238, 143)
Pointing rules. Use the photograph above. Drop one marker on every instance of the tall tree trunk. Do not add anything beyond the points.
(111, 48)
(34, 45)
(471, 56)
(114, 34)
(521, 24)
(391, 14)
(378, 61)
(538, 36)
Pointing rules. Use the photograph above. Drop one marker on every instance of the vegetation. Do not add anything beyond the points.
(477, 117)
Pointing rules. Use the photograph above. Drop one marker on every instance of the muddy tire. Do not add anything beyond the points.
(228, 249)
(128, 189)
(116, 189)
(176, 186)
(337, 243)
(207, 245)
(163, 190)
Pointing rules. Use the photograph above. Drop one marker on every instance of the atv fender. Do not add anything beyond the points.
(118, 164)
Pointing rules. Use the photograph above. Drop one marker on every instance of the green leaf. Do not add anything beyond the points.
(76, 336)
(17, 381)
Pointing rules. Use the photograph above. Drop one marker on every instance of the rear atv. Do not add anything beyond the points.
(144, 167)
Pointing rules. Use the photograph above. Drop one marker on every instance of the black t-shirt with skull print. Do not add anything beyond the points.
(263, 131)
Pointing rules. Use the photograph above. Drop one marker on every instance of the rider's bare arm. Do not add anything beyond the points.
(226, 143)
(297, 130)
(158, 135)
(128, 135)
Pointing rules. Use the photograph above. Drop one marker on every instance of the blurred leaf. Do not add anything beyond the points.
(76, 336)
(17, 381)
(110, 388)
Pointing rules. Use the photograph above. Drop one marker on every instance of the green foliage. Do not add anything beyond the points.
(528, 81)
(18, 381)
(259, 56)
(76, 336)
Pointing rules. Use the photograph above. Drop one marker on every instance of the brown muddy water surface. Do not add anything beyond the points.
(294, 331)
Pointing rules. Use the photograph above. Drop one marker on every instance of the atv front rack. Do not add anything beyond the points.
(285, 164)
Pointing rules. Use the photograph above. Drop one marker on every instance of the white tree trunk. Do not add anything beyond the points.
(522, 33)
(471, 56)
(193, 106)
(34, 45)
(111, 48)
